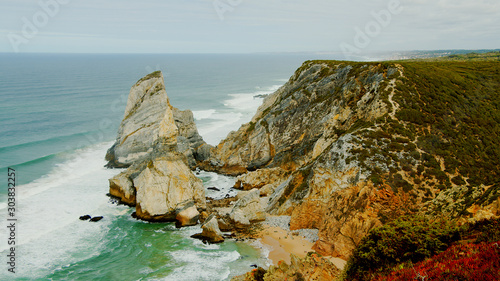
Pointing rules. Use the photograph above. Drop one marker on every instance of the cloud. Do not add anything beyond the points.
(257, 25)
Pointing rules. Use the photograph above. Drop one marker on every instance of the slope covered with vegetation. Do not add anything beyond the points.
(360, 145)
(416, 247)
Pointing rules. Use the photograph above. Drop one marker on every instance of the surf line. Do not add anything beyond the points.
(11, 220)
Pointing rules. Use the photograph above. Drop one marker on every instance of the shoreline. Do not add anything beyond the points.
(280, 242)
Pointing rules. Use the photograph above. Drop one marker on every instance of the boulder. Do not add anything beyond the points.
(122, 187)
(260, 178)
(96, 219)
(186, 214)
(248, 209)
(267, 190)
(163, 184)
(211, 232)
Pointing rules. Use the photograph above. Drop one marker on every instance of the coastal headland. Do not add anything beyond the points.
(340, 151)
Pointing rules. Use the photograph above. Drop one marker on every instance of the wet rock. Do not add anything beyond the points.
(96, 219)
(211, 232)
(186, 214)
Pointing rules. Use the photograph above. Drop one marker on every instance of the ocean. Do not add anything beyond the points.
(59, 113)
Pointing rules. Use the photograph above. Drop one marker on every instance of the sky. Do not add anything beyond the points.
(247, 26)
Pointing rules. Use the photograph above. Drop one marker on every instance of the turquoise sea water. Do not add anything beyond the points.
(58, 115)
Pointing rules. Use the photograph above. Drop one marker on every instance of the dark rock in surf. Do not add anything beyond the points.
(96, 219)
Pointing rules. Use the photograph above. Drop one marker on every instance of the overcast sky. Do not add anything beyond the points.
(242, 26)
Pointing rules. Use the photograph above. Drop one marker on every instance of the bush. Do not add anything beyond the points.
(460, 262)
(410, 238)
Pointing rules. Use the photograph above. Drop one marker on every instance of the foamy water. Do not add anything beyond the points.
(51, 103)
(51, 239)
(237, 110)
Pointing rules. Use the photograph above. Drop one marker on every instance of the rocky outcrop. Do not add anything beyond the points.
(304, 117)
(157, 143)
(189, 141)
(186, 214)
(211, 232)
(260, 178)
(248, 209)
(148, 111)
(311, 267)
(162, 185)
(148, 117)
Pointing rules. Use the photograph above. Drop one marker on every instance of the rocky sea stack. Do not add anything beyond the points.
(158, 144)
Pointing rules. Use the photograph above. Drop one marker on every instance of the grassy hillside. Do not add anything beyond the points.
(445, 131)
(383, 158)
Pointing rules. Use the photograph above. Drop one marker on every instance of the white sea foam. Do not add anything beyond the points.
(265, 250)
(215, 265)
(223, 183)
(203, 114)
(238, 109)
(49, 231)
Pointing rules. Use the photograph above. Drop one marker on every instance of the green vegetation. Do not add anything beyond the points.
(410, 240)
(156, 74)
(449, 108)
(489, 56)
(472, 262)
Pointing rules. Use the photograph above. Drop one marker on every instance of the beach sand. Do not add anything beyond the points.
(281, 243)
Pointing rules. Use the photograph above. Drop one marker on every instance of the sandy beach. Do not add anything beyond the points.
(282, 242)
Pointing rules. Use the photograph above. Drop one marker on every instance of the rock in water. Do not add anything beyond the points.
(122, 187)
(148, 118)
(156, 142)
(166, 182)
(211, 232)
(186, 214)
(96, 219)
(84, 218)
(146, 111)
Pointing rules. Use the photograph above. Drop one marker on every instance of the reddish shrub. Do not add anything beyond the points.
(479, 262)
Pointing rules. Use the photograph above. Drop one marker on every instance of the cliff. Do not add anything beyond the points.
(157, 143)
(344, 147)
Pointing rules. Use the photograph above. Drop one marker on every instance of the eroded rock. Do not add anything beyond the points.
(211, 232)
(157, 143)
(186, 214)
(248, 209)
(162, 185)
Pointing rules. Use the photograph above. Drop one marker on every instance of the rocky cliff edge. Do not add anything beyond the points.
(344, 147)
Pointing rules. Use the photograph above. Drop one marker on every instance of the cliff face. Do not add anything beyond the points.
(157, 143)
(359, 144)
